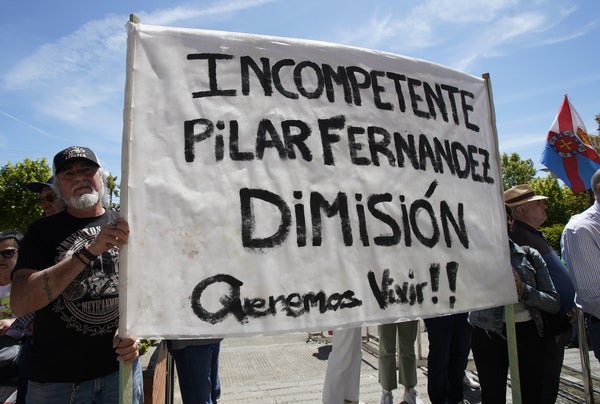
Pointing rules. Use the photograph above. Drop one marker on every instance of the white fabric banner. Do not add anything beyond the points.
(277, 185)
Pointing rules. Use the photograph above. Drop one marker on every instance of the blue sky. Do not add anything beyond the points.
(62, 68)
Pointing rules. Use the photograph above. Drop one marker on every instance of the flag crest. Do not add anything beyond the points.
(568, 152)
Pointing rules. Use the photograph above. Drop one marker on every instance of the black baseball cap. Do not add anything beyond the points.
(64, 157)
(38, 186)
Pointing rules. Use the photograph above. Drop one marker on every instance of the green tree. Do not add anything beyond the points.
(18, 206)
(561, 205)
(549, 186)
(516, 171)
(113, 191)
(561, 202)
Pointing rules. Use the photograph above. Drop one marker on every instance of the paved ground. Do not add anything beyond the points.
(291, 369)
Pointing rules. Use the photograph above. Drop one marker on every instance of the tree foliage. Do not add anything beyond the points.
(561, 205)
(562, 202)
(113, 191)
(516, 171)
(18, 206)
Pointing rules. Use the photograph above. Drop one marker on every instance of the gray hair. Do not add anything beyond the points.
(104, 197)
(595, 183)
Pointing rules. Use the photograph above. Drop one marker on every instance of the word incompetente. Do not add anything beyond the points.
(389, 91)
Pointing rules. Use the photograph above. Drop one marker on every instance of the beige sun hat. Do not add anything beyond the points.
(521, 194)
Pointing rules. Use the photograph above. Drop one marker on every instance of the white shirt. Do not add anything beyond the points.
(580, 246)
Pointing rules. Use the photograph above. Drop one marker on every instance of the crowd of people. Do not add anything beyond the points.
(63, 349)
(544, 319)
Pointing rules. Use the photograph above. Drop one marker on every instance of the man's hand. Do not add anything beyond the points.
(5, 325)
(126, 348)
(114, 234)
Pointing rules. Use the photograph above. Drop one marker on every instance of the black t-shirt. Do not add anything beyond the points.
(72, 336)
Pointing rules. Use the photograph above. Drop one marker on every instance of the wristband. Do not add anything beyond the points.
(87, 254)
(76, 255)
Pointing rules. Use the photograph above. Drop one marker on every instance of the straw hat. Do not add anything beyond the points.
(521, 194)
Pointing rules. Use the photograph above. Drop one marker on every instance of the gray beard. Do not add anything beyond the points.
(84, 201)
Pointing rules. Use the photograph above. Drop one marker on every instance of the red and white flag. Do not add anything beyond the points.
(568, 152)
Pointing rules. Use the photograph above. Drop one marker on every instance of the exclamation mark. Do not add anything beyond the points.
(451, 271)
(434, 273)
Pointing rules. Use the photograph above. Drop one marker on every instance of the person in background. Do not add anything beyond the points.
(529, 212)
(449, 346)
(197, 363)
(49, 202)
(9, 341)
(407, 360)
(580, 245)
(342, 377)
(67, 273)
(536, 293)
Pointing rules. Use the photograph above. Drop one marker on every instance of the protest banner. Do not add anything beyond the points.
(277, 185)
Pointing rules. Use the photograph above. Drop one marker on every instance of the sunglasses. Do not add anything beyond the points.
(49, 197)
(7, 254)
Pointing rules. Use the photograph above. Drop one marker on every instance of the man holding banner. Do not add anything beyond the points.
(67, 273)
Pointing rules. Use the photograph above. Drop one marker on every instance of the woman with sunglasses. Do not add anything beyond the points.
(9, 346)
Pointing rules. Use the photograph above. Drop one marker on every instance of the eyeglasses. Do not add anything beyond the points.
(50, 197)
(9, 253)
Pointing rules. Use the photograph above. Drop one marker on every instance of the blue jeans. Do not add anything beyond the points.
(198, 372)
(102, 390)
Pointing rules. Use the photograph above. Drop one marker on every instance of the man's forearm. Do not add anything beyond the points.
(32, 290)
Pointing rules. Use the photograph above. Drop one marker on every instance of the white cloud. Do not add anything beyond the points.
(187, 13)
(462, 32)
(568, 36)
(27, 124)
(79, 78)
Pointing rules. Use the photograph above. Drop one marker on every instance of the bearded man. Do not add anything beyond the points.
(67, 273)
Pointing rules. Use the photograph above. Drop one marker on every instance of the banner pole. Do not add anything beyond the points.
(125, 383)
(488, 84)
(509, 314)
(513, 357)
(125, 370)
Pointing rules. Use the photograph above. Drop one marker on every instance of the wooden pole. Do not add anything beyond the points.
(513, 357)
(126, 370)
(125, 383)
(509, 314)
